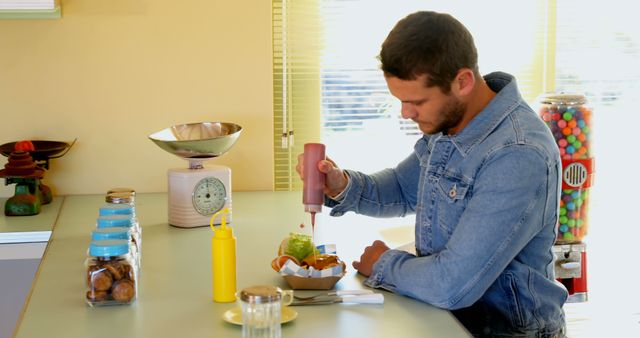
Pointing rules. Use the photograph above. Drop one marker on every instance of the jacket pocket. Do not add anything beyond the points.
(510, 289)
(453, 194)
(452, 189)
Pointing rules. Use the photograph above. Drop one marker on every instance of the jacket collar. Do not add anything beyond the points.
(506, 100)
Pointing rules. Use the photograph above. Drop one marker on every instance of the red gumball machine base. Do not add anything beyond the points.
(571, 270)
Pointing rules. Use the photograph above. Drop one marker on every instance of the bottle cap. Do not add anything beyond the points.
(225, 232)
(313, 207)
(261, 294)
(111, 221)
(116, 209)
(122, 190)
(111, 233)
(109, 248)
(119, 198)
(222, 231)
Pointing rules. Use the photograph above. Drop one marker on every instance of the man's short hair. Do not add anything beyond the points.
(430, 43)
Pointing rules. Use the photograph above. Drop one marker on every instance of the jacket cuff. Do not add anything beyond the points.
(377, 278)
(348, 199)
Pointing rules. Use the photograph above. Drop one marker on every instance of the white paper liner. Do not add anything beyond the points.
(290, 268)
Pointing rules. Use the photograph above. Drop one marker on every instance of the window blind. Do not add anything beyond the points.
(344, 101)
(296, 83)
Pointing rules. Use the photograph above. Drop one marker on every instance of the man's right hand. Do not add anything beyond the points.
(336, 179)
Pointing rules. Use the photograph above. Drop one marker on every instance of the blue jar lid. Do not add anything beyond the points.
(111, 233)
(109, 248)
(116, 209)
(110, 221)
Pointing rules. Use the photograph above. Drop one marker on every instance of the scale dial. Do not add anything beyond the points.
(209, 196)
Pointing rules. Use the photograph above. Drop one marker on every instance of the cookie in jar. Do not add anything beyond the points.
(111, 276)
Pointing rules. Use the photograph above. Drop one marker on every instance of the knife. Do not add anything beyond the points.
(375, 298)
(335, 293)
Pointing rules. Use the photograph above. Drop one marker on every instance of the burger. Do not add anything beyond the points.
(299, 248)
(321, 261)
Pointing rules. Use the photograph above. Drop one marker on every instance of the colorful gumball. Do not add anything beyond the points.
(562, 124)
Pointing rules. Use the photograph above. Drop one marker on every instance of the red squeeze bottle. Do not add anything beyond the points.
(313, 183)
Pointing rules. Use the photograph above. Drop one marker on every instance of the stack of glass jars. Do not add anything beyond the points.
(113, 257)
(120, 210)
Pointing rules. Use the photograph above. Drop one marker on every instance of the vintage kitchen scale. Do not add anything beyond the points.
(198, 192)
(26, 170)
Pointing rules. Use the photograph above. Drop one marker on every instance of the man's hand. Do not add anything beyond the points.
(336, 179)
(370, 256)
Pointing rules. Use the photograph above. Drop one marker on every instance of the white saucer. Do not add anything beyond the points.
(234, 316)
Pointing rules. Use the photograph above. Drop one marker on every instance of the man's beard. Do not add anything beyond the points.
(450, 116)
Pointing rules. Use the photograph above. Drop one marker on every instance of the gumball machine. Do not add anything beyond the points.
(570, 120)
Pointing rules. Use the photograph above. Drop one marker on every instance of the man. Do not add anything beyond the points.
(483, 182)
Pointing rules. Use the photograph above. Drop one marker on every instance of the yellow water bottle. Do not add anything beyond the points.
(223, 259)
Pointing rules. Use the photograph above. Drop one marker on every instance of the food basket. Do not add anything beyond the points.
(300, 278)
(311, 283)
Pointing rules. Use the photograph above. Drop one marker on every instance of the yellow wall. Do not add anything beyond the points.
(112, 72)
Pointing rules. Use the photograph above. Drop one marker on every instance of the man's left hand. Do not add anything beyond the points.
(370, 256)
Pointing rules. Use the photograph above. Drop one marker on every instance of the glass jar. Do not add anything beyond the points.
(125, 221)
(121, 195)
(262, 310)
(122, 233)
(570, 119)
(111, 275)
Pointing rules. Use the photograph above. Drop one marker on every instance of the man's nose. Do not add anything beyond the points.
(408, 111)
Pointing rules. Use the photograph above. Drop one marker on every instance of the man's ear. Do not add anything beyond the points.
(464, 82)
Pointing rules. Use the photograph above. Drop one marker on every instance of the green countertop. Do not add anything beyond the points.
(35, 228)
(175, 292)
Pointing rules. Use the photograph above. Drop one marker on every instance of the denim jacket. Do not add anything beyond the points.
(486, 203)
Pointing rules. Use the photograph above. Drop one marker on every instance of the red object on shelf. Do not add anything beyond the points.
(24, 146)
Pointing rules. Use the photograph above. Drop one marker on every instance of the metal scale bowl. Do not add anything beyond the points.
(43, 152)
(197, 192)
(26, 170)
